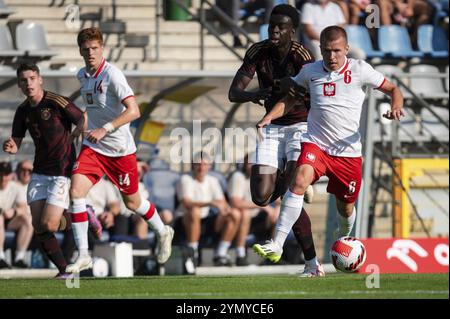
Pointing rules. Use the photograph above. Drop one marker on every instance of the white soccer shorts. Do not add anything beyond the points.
(55, 189)
(280, 144)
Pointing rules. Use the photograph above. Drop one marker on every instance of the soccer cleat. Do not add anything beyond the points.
(165, 245)
(242, 261)
(313, 271)
(4, 264)
(82, 263)
(271, 251)
(309, 194)
(94, 224)
(63, 275)
(20, 264)
(222, 261)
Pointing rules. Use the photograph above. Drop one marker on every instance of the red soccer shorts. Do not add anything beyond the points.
(344, 173)
(122, 171)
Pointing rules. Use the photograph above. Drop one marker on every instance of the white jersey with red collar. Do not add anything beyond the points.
(103, 94)
(336, 104)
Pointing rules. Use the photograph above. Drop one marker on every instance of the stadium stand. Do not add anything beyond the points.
(8, 53)
(31, 38)
(358, 36)
(394, 40)
(433, 41)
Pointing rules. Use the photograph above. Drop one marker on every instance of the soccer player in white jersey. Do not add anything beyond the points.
(108, 148)
(332, 145)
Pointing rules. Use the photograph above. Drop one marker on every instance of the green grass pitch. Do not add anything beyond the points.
(345, 286)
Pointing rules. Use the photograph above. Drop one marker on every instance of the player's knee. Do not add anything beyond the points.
(131, 205)
(76, 193)
(299, 185)
(50, 225)
(260, 199)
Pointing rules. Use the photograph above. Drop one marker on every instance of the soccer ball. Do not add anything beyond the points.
(348, 254)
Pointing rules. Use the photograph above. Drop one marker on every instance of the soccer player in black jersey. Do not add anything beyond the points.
(49, 118)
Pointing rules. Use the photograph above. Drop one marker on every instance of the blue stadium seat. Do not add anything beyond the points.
(263, 32)
(394, 40)
(161, 185)
(358, 36)
(432, 40)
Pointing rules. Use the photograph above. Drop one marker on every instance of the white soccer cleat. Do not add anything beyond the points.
(165, 245)
(309, 194)
(82, 263)
(313, 271)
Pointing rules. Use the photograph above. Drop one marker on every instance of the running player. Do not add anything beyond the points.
(276, 155)
(108, 148)
(332, 144)
(49, 118)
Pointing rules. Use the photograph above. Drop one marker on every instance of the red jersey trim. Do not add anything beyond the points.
(345, 67)
(123, 100)
(384, 80)
(100, 68)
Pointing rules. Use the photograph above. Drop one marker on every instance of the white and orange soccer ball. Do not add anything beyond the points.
(348, 254)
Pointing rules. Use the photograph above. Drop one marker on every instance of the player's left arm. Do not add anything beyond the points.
(396, 112)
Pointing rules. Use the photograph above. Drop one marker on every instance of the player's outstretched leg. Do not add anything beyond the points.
(303, 234)
(80, 224)
(164, 233)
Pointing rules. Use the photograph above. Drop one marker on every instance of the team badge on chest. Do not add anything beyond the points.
(45, 114)
(329, 89)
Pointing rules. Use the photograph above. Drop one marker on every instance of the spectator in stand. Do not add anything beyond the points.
(198, 194)
(253, 5)
(408, 13)
(316, 16)
(241, 202)
(14, 215)
(356, 8)
(231, 8)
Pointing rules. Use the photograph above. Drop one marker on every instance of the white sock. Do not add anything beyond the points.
(150, 214)
(222, 248)
(291, 208)
(2, 254)
(20, 255)
(313, 262)
(80, 225)
(346, 224)
(240, 251)
(193, 245)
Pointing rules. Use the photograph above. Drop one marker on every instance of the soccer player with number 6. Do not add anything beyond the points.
(108, 148)
(331, 145)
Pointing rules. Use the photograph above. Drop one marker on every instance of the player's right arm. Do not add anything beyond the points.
(243, 77)
(238, 94)
(281, 108)
(12, 145)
